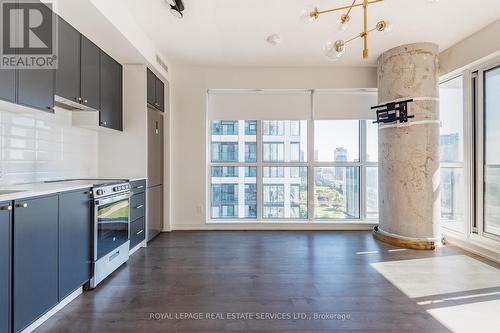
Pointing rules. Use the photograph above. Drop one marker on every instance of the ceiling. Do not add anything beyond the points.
(234, 32)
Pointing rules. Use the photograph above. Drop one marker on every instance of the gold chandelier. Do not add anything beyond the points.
(334, 50)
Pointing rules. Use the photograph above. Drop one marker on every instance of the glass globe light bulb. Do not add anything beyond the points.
(334, 50)
(343, 22)
(309, 15)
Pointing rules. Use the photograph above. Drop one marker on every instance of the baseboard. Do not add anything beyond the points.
(274, 226)
(53, 311)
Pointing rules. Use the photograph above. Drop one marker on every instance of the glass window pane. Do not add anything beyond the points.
(371, 141)
(372, 192)
(336, 193)
(452, 120)
(232, 141)
(452, 198)
(284, 193)
(233, 192)
(336, 140)
(284, 141)
(492, 151)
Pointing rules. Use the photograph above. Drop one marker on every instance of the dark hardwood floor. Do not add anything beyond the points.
(270, 273)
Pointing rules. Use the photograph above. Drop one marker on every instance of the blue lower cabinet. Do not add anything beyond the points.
(74, 241)
(5, 265)
(35, 259)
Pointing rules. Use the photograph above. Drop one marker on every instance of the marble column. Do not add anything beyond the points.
(409, 198)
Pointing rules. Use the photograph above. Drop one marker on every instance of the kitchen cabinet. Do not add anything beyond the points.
(156, 91)
(90, 74)
(74, 241)
(35, 88)
(5, 264)
(111, 111)
(137, 212)
(68, 70)
(8, 85)
(35, 259)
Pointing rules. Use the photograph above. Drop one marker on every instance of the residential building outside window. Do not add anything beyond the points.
(268, 177)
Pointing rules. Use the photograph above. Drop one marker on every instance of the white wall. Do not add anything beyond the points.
(37, 146)
(478, 47)
(188, 145)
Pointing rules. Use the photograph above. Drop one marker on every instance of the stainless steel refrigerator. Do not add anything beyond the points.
(155, 173)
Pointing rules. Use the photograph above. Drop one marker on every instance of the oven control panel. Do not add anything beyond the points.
(110, 189)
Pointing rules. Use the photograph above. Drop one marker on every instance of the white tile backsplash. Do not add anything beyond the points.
(44, 146)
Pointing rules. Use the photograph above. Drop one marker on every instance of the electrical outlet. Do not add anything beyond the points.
(199, 209)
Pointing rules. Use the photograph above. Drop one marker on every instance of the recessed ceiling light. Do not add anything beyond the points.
(273, 39)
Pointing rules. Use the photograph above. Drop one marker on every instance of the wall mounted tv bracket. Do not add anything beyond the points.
(393, 112)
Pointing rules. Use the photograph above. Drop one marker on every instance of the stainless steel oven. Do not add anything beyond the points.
(110, 229)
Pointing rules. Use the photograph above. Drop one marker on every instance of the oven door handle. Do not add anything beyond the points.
(112, 199)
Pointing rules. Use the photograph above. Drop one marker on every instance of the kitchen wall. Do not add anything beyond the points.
(37, 146)
(188, 138)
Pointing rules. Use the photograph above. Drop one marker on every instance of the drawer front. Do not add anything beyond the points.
(138, 186)
(137, 232)
(137, 206)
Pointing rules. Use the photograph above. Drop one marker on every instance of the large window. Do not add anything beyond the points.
(491, 159)
(452, 154)
(261, 170)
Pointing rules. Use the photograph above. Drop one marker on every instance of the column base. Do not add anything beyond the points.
(406, 242)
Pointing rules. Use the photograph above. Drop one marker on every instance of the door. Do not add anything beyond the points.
(155, 148)
(160, 95)
(151, 83)
(155, 211)
(111, 93)
(5, 264)
(90, 73)
(68, 70)
(74, 241)
(35, 276)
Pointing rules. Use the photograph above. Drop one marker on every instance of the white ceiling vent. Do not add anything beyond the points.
(162, 63)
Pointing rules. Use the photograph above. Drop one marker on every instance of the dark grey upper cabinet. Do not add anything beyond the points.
(160, 95)
(68, 71)
(90, 73)
(5, 265)
(111, 115)
(35, 88)
(74, 241)
(151, 87)
(156, 91)
(8, 85)
(35, 259)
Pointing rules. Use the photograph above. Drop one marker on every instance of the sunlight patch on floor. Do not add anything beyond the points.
(438, 275)
(470, 318)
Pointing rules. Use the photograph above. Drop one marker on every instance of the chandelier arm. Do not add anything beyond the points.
(350, 8)
(345, 7)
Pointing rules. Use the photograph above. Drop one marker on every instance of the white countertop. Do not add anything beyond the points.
(37, 189)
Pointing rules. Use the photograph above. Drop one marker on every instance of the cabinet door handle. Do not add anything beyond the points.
(139, 207)
(22, 205)
(140, 232)
(8, 207)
